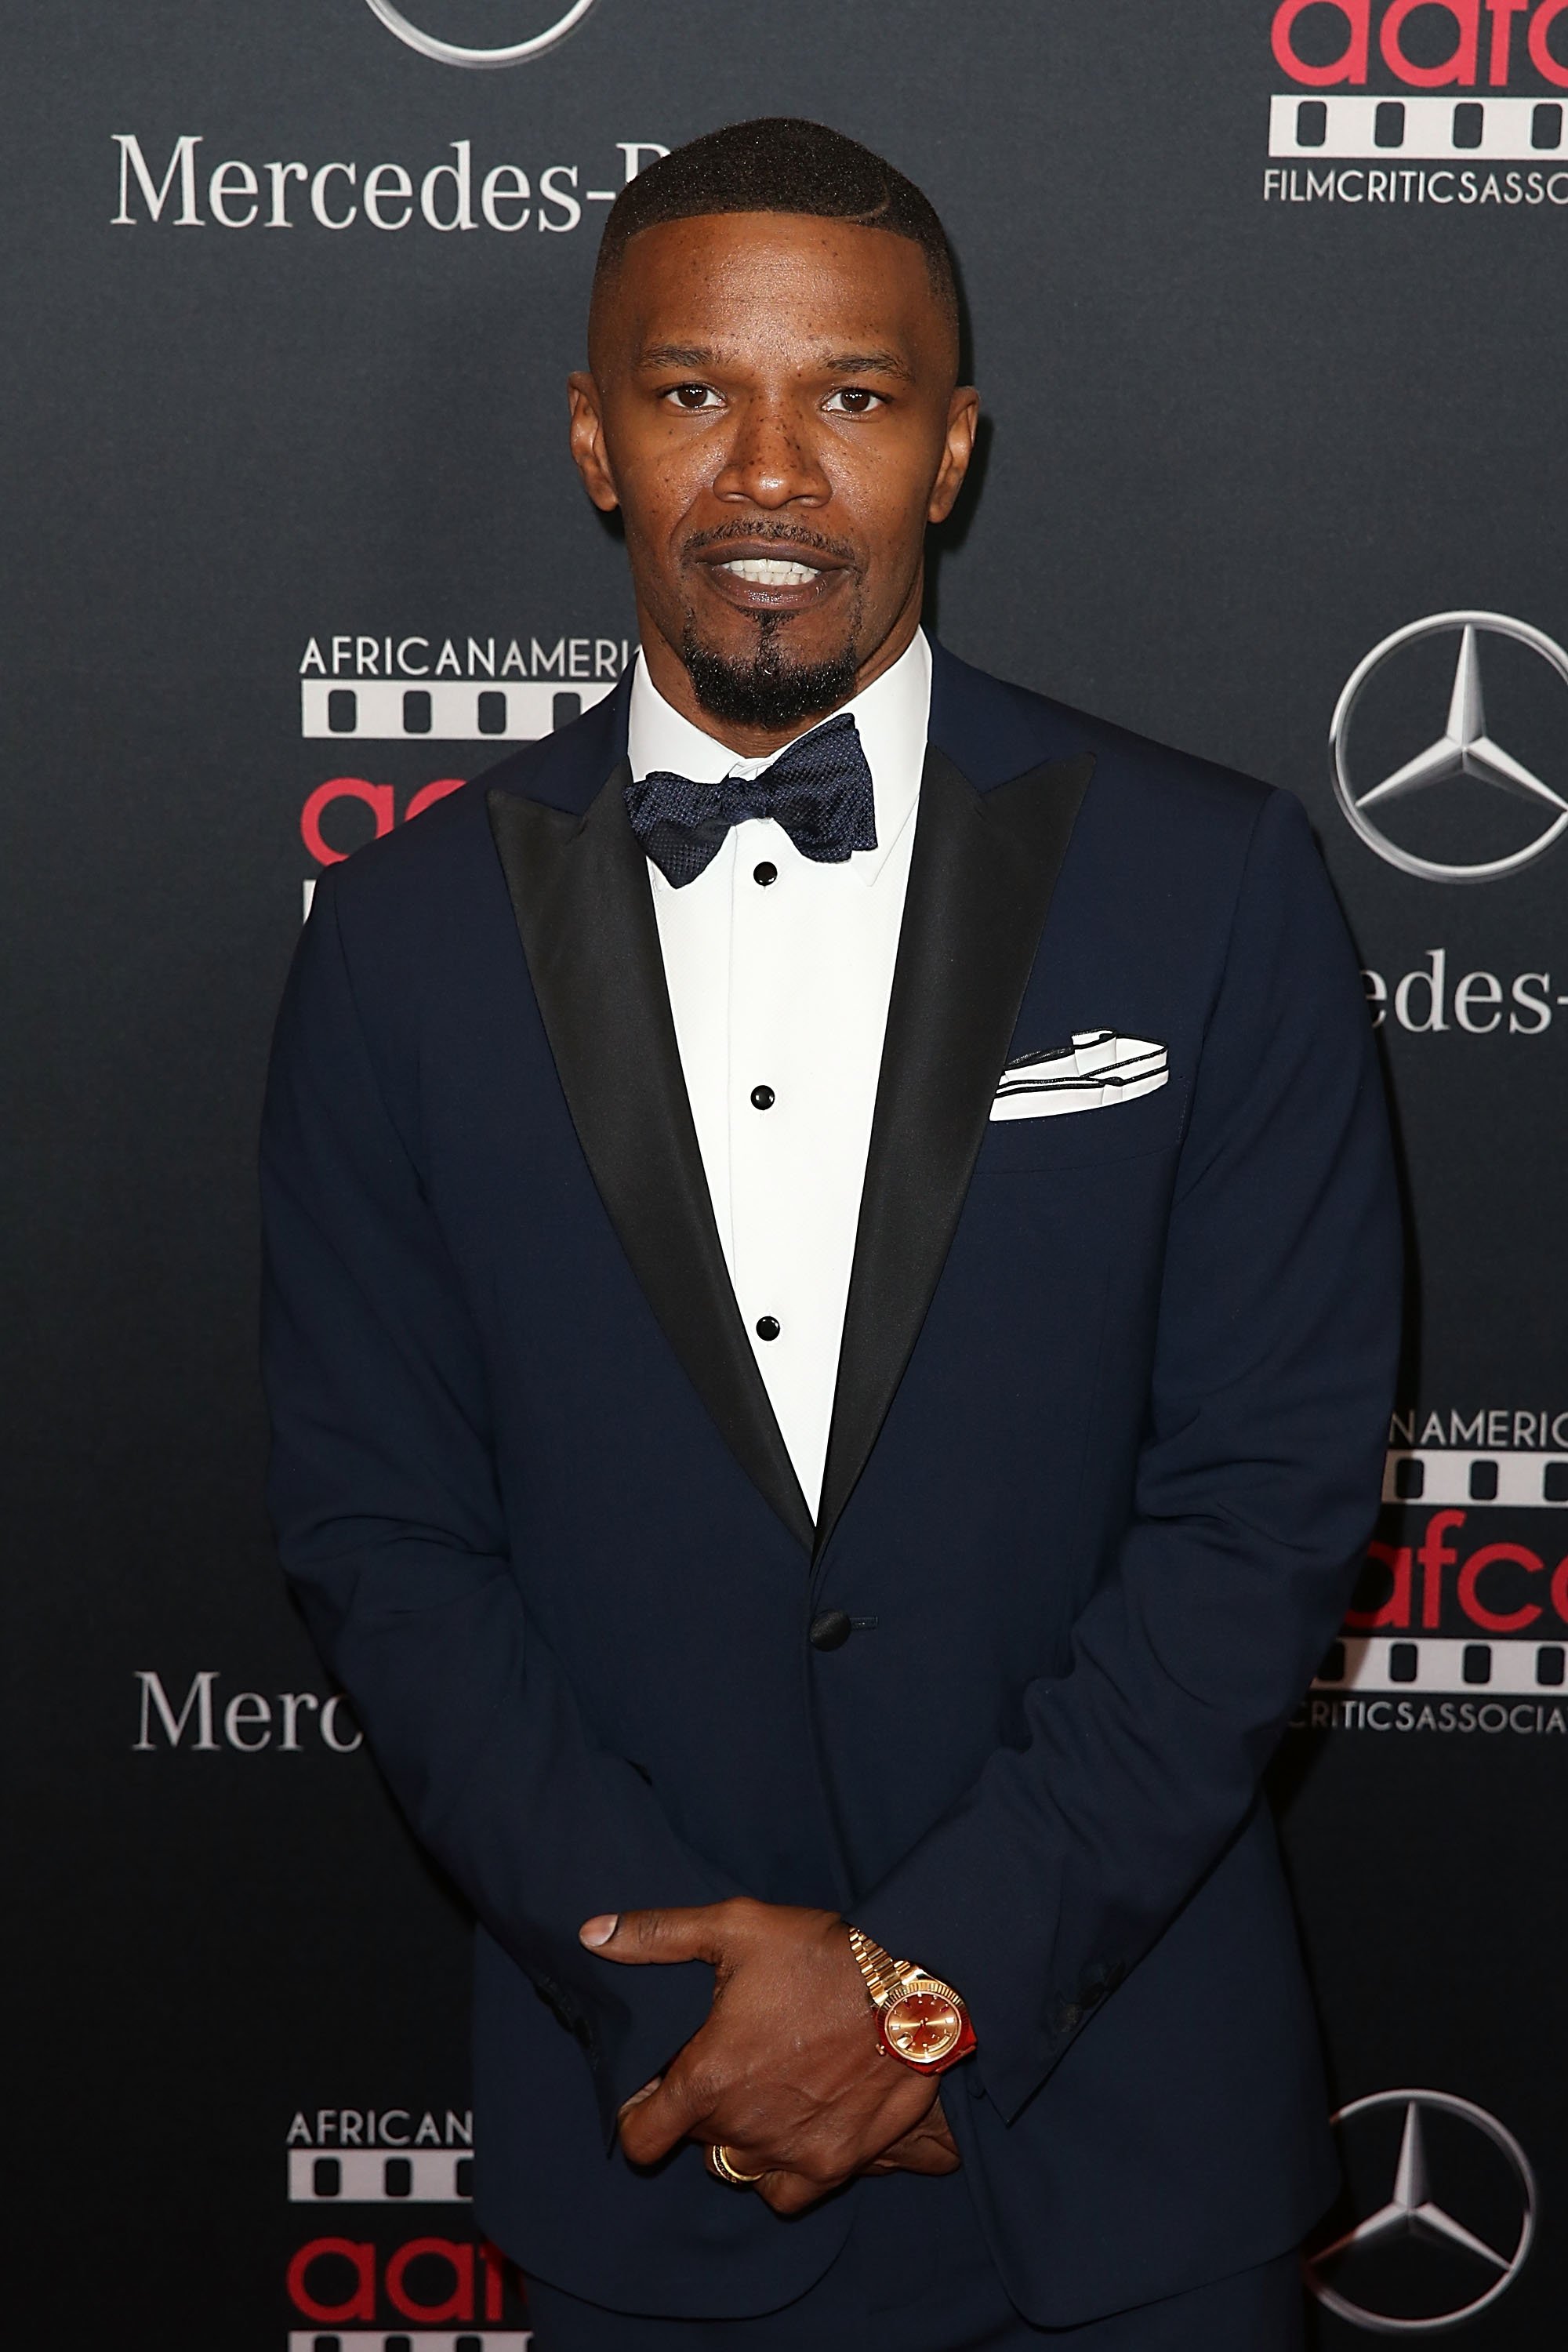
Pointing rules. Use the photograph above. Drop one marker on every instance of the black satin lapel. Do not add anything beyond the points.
(580, 892)
(980, 879)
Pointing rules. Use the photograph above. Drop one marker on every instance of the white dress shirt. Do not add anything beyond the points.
(782, 985)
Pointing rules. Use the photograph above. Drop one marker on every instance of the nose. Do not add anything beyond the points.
(771, 461)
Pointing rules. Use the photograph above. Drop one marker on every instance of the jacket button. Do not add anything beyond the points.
(830, 1631)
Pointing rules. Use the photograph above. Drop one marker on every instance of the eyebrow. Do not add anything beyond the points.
(868, 364)
(703, 355)
(693, 355)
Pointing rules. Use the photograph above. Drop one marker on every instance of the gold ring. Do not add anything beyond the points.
(724, 2171)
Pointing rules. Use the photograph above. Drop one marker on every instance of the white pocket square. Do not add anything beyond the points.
(1098, 1070)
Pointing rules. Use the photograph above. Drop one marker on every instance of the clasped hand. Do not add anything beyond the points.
(788, 2072)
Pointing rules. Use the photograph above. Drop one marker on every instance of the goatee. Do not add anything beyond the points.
(768, 691)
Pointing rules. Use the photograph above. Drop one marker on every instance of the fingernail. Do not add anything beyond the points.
(594, 1932)
(638, 2097)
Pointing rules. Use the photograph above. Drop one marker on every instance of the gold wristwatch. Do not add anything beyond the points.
(919, 2021)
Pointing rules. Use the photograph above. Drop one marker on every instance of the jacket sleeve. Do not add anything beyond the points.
(1255, 1488)
(384, 1496)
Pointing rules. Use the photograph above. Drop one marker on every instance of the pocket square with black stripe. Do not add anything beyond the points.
(1096, 1072)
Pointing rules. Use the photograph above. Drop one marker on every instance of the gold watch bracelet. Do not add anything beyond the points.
(883, 1974)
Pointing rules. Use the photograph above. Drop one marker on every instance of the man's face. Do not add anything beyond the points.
(772, 408)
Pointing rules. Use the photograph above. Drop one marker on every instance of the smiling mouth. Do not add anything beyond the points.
(771, 571)
(763, 578)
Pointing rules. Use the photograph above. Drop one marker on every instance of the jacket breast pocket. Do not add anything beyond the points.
(1086, 1138)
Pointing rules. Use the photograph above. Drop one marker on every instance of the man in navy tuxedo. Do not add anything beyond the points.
(831, 1317)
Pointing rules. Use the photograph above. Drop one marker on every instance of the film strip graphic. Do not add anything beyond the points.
(1417, 1665)
(1532, 1482)
(459, 710)
(374, 2176)
(402, 2339)
(1418, 130)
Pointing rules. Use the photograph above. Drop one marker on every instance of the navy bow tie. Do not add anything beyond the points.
(819, 788)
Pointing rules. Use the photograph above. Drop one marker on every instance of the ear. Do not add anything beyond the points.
(588, 442)
(958, 448)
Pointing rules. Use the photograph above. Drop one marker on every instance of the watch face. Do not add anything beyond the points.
(922, 2027)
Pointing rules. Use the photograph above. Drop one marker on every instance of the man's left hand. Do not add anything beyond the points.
(787, 2074)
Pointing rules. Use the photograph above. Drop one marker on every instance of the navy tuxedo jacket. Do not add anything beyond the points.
(1105, 1448)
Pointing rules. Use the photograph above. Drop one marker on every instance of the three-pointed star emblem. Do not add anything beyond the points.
(1466, 749)
(1412, 2212)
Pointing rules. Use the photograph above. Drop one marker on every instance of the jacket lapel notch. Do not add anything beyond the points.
(580, 893)
(981, 880)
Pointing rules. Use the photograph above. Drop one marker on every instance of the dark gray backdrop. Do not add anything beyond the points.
(1243, 429)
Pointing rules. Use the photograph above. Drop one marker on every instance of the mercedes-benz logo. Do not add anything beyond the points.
(1464, 749)
(451, 53)
(1413, 2214)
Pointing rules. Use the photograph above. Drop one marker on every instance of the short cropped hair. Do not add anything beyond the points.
(780, 163)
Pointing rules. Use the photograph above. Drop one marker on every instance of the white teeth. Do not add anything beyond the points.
(770, 572)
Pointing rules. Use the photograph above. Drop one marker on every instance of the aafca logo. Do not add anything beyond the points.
(1422, 44)
(1445, 2200)
(536, 27)
(1460, 1623)
(380, 2277)
(413, 689)
(1446, 747)
(1437, 102)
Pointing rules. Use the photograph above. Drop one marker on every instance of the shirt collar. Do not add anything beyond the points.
(892, 717)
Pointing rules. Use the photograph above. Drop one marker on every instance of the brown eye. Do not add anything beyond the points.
(853, 400)
(694, 396)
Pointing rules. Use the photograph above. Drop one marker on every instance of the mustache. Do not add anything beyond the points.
(776, 534)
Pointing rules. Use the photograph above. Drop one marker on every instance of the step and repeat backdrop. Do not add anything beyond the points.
(1266, 306)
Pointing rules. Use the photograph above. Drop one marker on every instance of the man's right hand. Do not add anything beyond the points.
(787, 2073)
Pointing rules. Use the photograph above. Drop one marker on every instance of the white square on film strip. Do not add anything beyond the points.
(407, 2339)
(443, 709)
(378, 2176)
(1420, 1665)
(1531, 1481)
(1352, 126)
